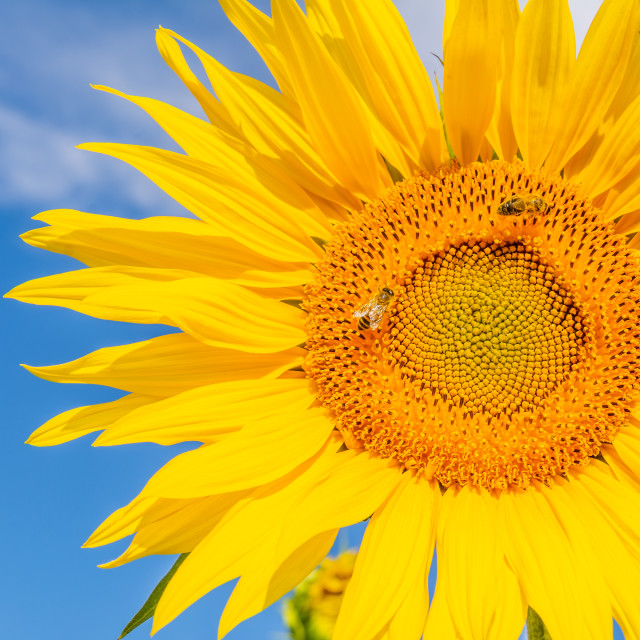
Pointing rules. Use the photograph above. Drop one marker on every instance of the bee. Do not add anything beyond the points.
(370, 314)
(519, 204)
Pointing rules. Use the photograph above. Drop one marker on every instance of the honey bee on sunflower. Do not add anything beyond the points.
(370, 314)
(524, 203)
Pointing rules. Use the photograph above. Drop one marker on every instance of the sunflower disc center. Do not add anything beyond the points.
(486, 326)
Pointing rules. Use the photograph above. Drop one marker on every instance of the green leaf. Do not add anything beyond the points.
(535, 627)
(149, 607)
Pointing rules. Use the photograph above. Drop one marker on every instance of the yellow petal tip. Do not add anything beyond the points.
(109, 565)
(11, 294)
(103, 440)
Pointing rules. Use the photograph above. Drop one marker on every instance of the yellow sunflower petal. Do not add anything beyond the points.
(206, 413)
(622, 201)
(179, 531)
(167, 365)
(344, 487)
(451, 8)
(126, 520)
(634, 242)
(396, 548)
(500, 132)
(409, 620)
(627, 92)
(258, 30)
(629, 88)
(261, 452)
(161, 242)
(439, 619)
(268, 583)
(557, 584)
(206, 568)
(469, 89)
(348, 492)
(601, 66)
(395, 78)
(544, 58)
(73, 288)
(617, 501)
(619, 467)
(627, 446)
(78, 422)
(249, 212)
(332, 113)
(482, 593)
(214, 311)
(616, 156)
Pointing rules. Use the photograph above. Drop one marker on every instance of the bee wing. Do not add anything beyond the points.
(376, 314)
(364, 309)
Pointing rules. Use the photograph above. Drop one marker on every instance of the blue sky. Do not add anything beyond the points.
(53, 498)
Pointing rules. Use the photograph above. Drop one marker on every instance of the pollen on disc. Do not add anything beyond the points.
(508, 352)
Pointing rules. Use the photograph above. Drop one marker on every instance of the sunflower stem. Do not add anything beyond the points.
(535, 627)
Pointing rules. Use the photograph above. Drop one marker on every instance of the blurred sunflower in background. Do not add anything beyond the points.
(312, 610)
(424, 315)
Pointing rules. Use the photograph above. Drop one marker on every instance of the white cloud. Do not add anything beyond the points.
(37, 158)
(48, 108)
(42, 168)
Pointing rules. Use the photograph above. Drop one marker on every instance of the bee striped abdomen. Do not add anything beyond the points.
(370, 314)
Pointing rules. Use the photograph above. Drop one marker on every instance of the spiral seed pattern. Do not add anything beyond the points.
(487, 326)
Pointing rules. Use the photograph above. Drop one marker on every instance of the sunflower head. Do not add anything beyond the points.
(416, 313)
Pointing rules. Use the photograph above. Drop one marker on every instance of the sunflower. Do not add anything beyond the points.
(426, 316)
(312, 611)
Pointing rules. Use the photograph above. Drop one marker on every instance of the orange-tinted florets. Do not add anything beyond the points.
(510, 350)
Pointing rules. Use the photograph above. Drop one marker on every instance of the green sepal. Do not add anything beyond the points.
(149, 607)
(452, 154)
(535, 627)
(395, 174)
(293, 303)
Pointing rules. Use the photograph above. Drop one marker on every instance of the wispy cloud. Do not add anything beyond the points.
(47, 61)
(40, 160)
